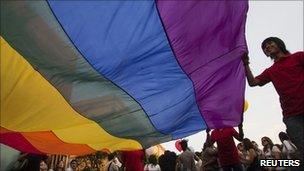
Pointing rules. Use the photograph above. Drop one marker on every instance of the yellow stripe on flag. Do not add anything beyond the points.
(30, 103)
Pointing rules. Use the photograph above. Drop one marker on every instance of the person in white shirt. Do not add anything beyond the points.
(153, 164)
(289, 149)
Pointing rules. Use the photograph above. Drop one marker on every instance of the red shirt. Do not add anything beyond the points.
(133, 160)
(287, 76)
(227, 151)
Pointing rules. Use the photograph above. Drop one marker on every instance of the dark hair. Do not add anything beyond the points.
(167, 161)
(239, 144)
(152, 159)
(184, 144)
(269, 142)
(198, 153)
(279, 146)
(73, 161)
(283, 136)
(111, 156)
(279, 42)
(247, 144)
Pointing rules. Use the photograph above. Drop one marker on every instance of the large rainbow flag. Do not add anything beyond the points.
(82, 76)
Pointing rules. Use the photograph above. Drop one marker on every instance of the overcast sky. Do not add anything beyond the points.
(283, 19)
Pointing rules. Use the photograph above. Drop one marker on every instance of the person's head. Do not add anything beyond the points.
(198, 154)
(184, 144)
(280, 147)
(111, 156)
(60, 165)
(103, 162)
(247, 144)
(271, 46)
(167, 152)
(152, 159)
(283, 136)
(73, 164)
(254, 144)
(267, 143)
(240, 146)
(43, 166)
(88, 163)
(167, 161)
(82, 165)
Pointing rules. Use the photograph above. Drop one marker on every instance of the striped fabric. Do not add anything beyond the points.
(83, 76)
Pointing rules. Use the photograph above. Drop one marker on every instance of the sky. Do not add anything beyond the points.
(283, 19)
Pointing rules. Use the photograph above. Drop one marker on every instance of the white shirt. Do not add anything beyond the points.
(288, 148)
(150, 167)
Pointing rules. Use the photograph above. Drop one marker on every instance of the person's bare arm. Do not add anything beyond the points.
(252, 81)
(208, 139)
(239, 136)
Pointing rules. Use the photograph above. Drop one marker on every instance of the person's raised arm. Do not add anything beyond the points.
(239, 136)
(241, 132)
(252, 81)
(209, 140)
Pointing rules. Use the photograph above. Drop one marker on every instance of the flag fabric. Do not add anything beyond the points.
(83, 76)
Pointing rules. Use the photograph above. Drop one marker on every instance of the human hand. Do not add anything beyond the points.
(207, 130)
(245, 59)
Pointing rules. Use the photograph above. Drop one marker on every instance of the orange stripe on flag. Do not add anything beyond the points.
(46, 142)
(49, 143)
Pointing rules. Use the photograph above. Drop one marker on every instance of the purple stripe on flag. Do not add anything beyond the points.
(208, 39)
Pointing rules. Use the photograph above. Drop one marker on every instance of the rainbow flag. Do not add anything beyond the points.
(83, 76)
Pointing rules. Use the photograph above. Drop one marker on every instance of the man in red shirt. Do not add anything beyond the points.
(287, 76)
(227, 152)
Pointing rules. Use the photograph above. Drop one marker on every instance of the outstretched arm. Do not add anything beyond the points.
(239, 136)
(208, 140)
(252, 81)
(241, 132)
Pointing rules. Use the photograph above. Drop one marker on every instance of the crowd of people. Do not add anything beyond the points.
(225, 155)
(287, 76)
